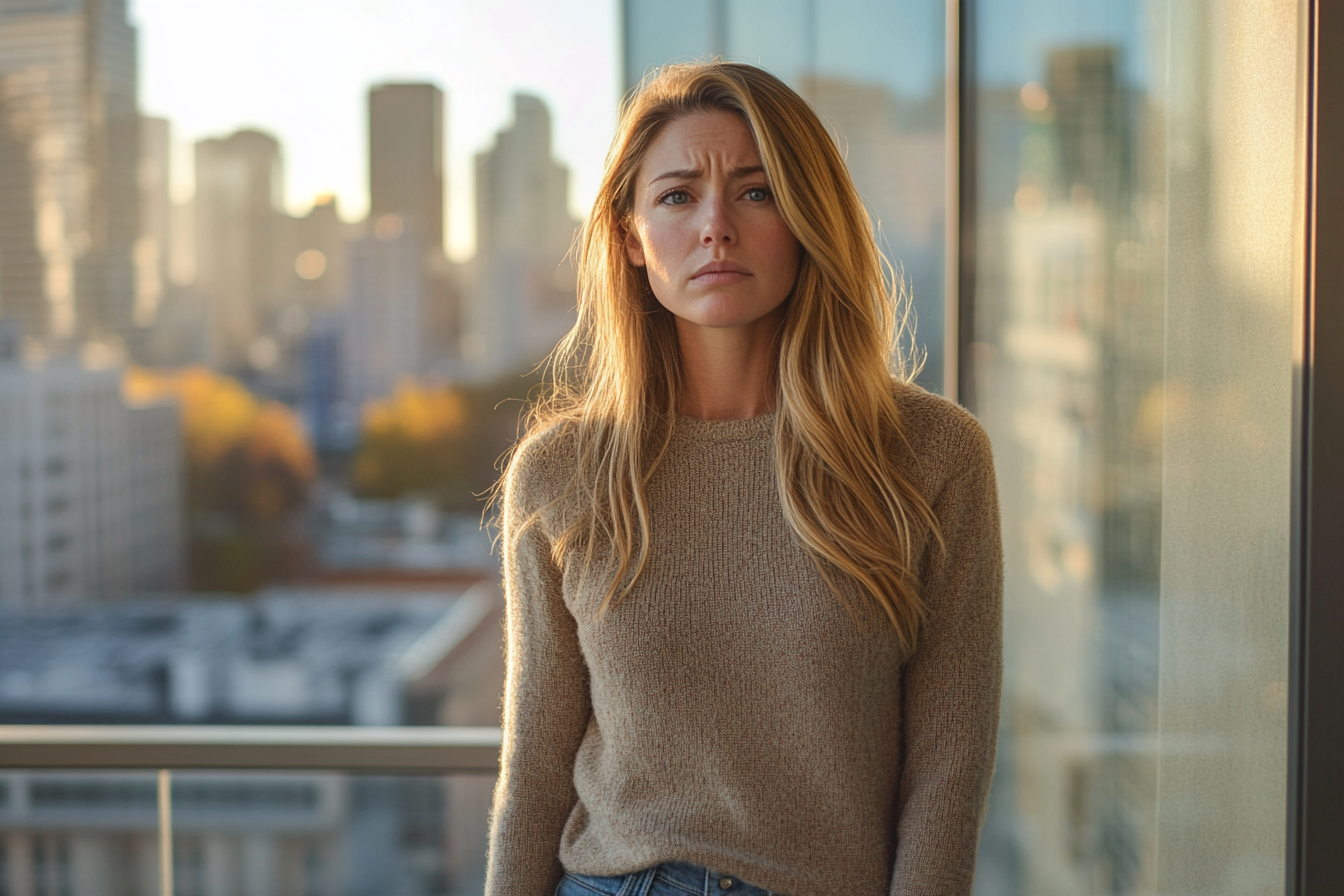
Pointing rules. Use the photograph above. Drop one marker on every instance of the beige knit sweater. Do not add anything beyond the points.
(730, 712)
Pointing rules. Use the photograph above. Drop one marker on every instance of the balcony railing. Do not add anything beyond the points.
(352, 749)
(165, 748)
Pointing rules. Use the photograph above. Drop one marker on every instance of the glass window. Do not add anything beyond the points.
(874, 72)
(1130, 356)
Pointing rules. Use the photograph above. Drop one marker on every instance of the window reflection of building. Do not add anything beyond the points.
(1068, 365)
(894, 147)
(874, 72)
(69, 131)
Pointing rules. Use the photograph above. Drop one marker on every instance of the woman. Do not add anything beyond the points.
(753, 581)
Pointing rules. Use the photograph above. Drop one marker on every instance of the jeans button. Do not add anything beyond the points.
(725, 883)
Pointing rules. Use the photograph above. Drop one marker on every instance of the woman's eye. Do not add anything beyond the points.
(758, 194)
(675, 197)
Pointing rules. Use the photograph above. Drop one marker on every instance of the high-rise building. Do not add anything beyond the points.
(522, 297)
(69, 135)
(316, 264)
(154, 246)
(239, 257)
(406, 157)
(406, 179)
(384, 336)
(90, 488)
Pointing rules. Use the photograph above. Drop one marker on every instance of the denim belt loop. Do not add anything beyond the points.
(644, 883)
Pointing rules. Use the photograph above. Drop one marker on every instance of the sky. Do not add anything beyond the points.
(301, 69)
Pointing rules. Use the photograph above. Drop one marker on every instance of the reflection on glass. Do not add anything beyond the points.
(874, 72)
(1079, 368)
(243, 834)
(1066, 360)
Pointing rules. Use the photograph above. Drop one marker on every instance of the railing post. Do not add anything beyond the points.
(165, 832)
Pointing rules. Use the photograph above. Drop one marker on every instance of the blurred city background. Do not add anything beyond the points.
(245, 430)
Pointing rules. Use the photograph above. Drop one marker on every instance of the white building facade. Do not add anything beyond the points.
(90, 488)
(384, 317)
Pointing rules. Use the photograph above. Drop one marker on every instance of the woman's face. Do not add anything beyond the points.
(706, 228)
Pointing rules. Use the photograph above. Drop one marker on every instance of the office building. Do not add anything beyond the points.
(522, 294)
(406, 157)
(316, 264)
(383, 336)
(153, 248)
(406, 179)
(240, 257)
(90, 488)
(69, 135)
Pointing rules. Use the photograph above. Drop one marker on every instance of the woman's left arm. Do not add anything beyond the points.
(952, 683)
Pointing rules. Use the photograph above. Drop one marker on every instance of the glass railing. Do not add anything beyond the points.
(273, 811)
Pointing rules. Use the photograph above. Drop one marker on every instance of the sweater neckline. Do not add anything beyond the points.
(742, 430)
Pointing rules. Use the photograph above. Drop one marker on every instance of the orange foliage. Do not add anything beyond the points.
(416, 413)
(217, 411)
(277, 437)
(408, 441)
(242, 454)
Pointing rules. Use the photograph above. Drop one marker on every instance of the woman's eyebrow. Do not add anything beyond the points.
(693, 173)
(678, 174)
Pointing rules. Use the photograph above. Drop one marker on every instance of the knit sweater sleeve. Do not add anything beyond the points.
(952, 683)
(546, 697)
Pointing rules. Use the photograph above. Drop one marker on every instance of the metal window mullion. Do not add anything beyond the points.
(1316, 689)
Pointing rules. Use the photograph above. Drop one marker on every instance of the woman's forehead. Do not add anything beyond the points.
(698, 139)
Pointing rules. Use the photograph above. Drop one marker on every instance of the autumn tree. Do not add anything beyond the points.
(248, 470)
(412, 443)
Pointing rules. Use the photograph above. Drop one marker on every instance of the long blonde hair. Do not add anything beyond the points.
(615, 380)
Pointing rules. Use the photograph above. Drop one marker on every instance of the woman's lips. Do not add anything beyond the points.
(718, 278)
(717, 273)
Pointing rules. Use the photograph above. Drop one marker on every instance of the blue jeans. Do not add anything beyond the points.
(667, 879)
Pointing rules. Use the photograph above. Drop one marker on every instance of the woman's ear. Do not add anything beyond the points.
(634, 249)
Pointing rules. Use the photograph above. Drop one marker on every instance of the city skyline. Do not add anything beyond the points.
(212, 75)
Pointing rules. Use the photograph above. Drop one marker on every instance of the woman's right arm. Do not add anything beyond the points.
(546, 701)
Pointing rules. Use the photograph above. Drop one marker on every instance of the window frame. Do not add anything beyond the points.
(1315, 817)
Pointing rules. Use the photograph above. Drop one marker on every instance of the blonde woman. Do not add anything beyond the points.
(753, 579)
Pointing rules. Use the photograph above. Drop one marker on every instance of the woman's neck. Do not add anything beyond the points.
(728, 373)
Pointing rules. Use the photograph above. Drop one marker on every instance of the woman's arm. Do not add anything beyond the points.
(952, 684)
(546, 703)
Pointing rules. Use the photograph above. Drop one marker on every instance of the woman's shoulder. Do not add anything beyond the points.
(542, 465)
(944, 438)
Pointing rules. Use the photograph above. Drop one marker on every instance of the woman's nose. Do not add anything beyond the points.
(718, 225)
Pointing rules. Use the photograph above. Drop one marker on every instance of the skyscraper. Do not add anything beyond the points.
(384, 315)
(69, 135)
(523, 296)
(154, 244)
(406, 157)
(239, 185)
(406, 179)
